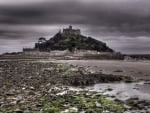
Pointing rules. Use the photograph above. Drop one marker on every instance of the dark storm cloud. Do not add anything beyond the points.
(127, 19)
(97, 17)
(120, 17)
(13, 34)
(16, 34)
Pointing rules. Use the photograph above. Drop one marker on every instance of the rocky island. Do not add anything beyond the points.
(70, 43)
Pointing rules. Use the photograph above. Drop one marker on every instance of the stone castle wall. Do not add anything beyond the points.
(45, 54)
(71, 31)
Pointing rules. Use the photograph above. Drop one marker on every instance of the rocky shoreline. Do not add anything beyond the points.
(36, 87)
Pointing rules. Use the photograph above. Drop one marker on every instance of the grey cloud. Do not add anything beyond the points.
(128, 45)
(14, 45)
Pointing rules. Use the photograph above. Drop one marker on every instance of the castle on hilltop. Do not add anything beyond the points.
(70, 43)
(71, 31)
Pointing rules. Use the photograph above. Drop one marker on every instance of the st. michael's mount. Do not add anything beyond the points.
(71, 39)
(69, 42)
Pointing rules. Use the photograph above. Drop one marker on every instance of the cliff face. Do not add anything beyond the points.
(71, 42)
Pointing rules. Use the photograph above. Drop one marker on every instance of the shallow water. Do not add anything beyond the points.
(121, 90)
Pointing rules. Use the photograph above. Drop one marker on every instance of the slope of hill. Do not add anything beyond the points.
(62, 41)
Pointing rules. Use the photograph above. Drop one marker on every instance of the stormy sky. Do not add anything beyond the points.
(123, 24)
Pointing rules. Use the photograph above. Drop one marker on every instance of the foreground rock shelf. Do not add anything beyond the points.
(36, 87)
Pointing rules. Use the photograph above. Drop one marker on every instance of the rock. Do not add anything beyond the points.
(18, 111)
(39, 105)
(118, 70)
(89, 111)
(109, 89)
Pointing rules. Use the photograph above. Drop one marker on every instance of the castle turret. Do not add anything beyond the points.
(71, 31)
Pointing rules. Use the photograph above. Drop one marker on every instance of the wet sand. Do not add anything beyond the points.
(140, 70)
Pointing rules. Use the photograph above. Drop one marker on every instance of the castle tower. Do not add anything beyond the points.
(70, 27)
(71, 31)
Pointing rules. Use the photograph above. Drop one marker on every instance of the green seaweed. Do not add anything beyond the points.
(82, 101)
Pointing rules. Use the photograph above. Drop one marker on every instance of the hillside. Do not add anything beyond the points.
(71, 41)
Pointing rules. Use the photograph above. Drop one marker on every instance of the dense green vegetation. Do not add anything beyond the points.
(71, 42)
